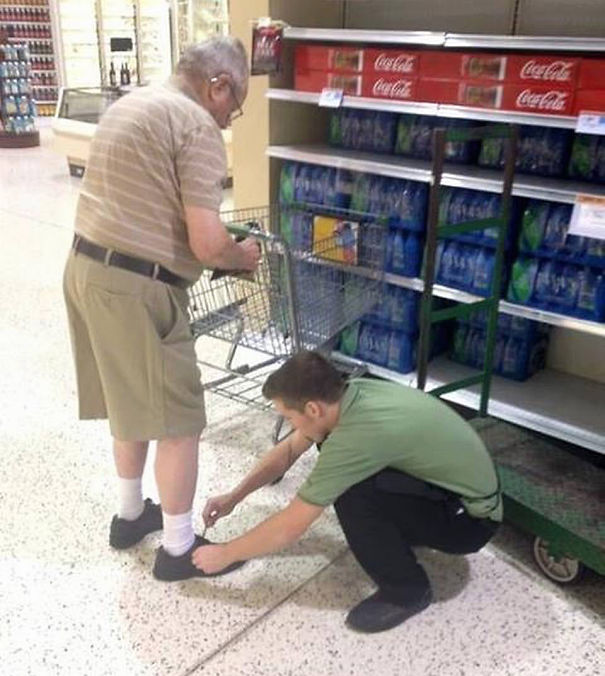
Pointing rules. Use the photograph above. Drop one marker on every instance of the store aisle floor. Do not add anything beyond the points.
(71, 605)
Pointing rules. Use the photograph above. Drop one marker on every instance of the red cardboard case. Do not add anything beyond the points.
(357, 60)
(589, 100)
(592, 74)
(522, 98)
(316, 80)
(505, 68)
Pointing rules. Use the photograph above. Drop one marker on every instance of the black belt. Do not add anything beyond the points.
(126, 262)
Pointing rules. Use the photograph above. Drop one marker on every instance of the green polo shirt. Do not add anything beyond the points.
(384, 424)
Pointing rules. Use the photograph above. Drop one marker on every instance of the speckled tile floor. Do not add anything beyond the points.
(70, 605)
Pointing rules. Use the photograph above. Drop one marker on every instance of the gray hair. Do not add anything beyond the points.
(222, 54)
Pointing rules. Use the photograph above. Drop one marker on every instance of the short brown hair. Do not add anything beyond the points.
(307, 376)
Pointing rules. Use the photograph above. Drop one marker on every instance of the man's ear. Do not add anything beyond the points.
(314, 409)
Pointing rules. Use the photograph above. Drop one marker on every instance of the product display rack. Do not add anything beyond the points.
(17, 106)
(31, 24)
(538, 403)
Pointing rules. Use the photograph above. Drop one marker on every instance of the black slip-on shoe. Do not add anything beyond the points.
(124, 533)
(377, 613)
(173, 568)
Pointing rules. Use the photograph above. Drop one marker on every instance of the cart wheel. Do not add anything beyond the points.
(563, 570)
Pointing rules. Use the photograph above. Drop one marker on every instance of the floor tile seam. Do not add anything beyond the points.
(261, 618)
(33, 219)
(544, 584)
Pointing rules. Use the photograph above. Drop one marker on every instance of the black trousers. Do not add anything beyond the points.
(384, 516)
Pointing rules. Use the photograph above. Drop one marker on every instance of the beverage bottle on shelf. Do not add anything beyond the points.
(533, 225)
(584, 157)
(595, 252)
(484, 272)
(591, 295)
(412, 253)
(127, 73)
(398, 252)
(545, 286)
(399, 355)
(376, 196)
(444, 262)
(360, 193)
(556, 227)
(365, 139)
(287, 181)
(112, 75)
(569, 282)
(385, 127)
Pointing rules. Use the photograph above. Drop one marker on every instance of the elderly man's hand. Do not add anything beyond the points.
(211, 558)
(252, 253)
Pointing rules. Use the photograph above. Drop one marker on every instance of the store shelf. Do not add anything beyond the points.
(434, 109)
(369, 36)
(552, 318)
(455, 176)
(448, 40)
(550, 402)
(525, 42)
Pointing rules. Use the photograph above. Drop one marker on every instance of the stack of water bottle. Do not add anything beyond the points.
(555, 271)
(467, 261)
(588, 158)
(388, 335)
(542, 151)
(520, 348)
(398, 206)
(409, 135)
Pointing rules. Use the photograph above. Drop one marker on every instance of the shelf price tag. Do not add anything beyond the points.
(588, 217)
(331, 98)
(591, 123)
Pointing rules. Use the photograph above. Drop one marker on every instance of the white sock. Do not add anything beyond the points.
(130, 492)
(178, 533)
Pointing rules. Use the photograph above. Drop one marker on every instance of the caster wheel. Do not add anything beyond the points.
(563, 570)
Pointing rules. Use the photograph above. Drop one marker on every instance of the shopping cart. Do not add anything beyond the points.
(307, 288)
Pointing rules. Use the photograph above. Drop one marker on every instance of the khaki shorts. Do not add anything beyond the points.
(133, 351)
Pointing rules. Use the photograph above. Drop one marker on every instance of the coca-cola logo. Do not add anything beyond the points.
(400, 89)
(403, 63)
(555, 71)
(552, 100)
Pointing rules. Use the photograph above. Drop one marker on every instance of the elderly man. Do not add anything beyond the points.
(401, 468)
(147, 222)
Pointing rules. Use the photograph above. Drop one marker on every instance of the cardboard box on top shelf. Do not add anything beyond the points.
(339, 59)
(592, 74)
(589, 100)
(505, 68)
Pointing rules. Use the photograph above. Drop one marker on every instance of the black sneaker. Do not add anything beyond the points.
(376, 613)
(172, 568)
(124, 533)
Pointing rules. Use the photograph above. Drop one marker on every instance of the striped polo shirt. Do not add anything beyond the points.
(155, 151)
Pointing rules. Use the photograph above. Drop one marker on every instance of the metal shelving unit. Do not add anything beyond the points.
(448, 40)
(537, 403)
(434, 109)
(435, 39)
(455, 175)
(565, 406)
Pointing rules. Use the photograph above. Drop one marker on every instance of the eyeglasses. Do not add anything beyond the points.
(238, 107)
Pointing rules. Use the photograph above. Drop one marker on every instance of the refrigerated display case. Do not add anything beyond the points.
(78, 114)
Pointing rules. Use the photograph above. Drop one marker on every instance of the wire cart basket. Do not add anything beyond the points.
(318, 276)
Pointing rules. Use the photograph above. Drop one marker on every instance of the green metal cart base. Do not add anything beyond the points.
(552, 494)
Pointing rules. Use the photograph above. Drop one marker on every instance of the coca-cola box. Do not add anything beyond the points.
(592, 74)
(529, 98)
(316, 80)
(389, 86)
(505, 68)
(392, 62)
(336, 59)
(356, 60)
(589, 100)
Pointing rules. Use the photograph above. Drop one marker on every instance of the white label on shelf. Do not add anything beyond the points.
(591, 123)
(588, 217)
(331, 98)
